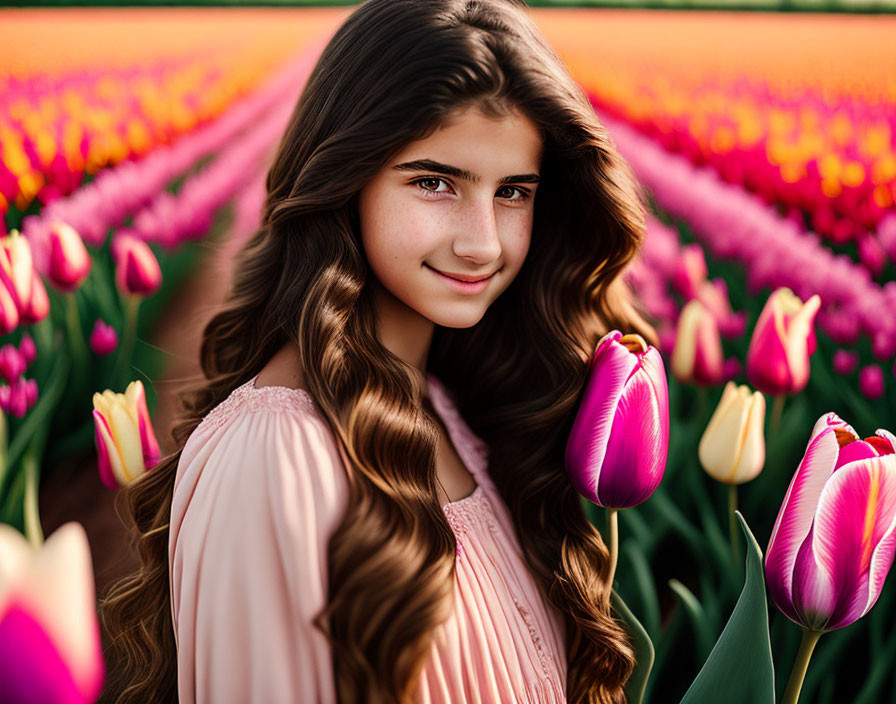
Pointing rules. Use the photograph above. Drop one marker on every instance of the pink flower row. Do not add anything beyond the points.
(736, 225)
(124, 189)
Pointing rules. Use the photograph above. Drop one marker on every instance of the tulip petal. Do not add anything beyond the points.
(889, 438)
(858, 450)
(638, 446)
(587, 444)
(106, 452)
(767, 363)
(854, 524)
(148, 442)
(127, 439)
(814, 588)
(31, 668)
(797, 512)
(797, 343)
(752, 442)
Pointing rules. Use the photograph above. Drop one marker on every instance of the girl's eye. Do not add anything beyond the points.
(426, 182)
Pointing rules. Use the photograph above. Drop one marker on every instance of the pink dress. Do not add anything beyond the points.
(259, 489)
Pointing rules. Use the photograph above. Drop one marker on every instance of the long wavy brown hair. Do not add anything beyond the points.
(391, 74)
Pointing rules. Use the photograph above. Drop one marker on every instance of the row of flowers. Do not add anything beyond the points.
(829, 165)
(121, 192)
(63, 118)
(734, 225)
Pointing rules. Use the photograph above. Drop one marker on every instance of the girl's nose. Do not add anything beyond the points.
(477, 233)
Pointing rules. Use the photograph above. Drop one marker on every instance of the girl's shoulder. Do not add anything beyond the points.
(270, 436)
(251, 399)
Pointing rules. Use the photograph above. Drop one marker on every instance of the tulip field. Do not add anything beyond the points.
(751, 564)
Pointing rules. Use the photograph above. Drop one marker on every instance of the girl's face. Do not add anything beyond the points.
(456, 205)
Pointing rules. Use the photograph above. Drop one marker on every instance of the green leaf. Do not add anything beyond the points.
(699, 619)
(644, 653)
(739, 670)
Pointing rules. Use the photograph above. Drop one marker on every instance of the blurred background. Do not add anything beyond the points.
(134, 143)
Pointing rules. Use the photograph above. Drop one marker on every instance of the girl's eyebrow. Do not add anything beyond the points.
(436, 167)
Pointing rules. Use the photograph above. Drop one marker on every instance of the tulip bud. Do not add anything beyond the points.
(69, 259)
(845, 361)
(38, 306)
(834, 539)
(9, 312)
(871, 381)
(697, 357)
(15, 399)
(732, 449)
(125, 441)
(103, 339)
(136, 268)
(16, 268)
(12, 363)
(50, 648)
(782, 341)
(690, 271)
(714, 296)
(28, 349)
(617, 448)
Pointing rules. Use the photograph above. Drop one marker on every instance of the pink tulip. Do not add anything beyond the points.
(136, 269)
(617, 449)
(714, 296)
(27, 348)
(845, 361)
(697, 357)
(871, 381)
(50, 650)
(833, 541)
(690, 271)
(16, 268)
(12, 363)
(783, 340)
(103, 339)
(18, 397)
(9, 311)
(38, 306)
(69, 259)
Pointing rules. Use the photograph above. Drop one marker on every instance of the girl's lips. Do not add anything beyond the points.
(461, 286)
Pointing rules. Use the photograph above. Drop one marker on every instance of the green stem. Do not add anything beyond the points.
(732, 524)
(777, 408)
(613, 519)
(126, 348)
(75, 335)
(795, 683)
(33, 531)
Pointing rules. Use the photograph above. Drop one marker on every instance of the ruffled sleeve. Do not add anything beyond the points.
(259, 490)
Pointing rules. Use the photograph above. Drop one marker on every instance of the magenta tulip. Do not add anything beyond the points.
(871, 381)
(136, 268)
(103, 339)
(28, 348)
(50, 650)
(38, 306)
(69, 259)
(833, 541)
(782, 342)
(617, 449)
(12, 363)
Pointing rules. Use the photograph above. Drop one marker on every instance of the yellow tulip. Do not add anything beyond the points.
(732, 449)
(126, 444)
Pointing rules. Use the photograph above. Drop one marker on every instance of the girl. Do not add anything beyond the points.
(369, 503)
